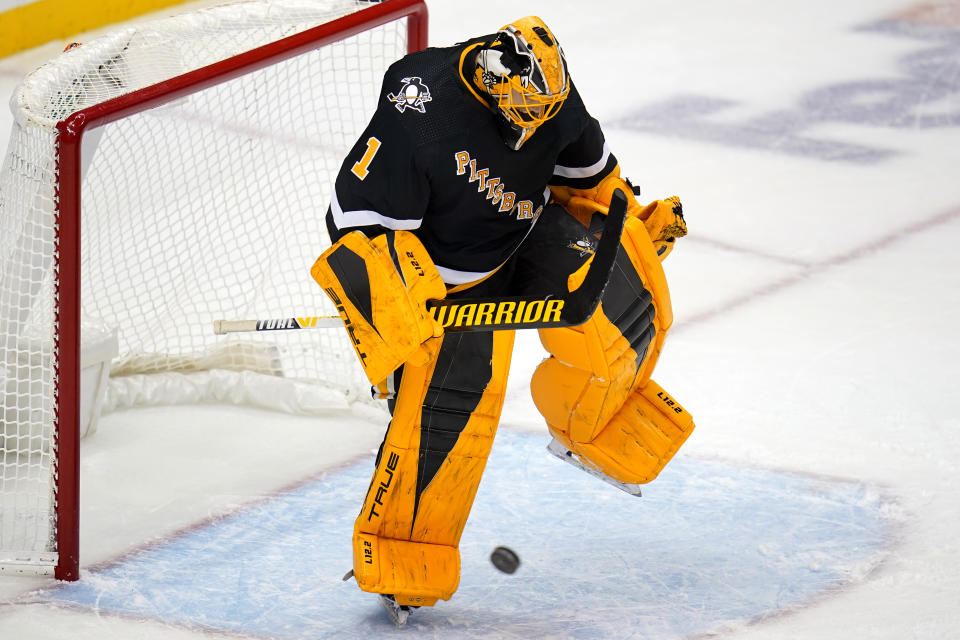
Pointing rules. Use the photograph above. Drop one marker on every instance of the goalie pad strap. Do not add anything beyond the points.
(380, 288)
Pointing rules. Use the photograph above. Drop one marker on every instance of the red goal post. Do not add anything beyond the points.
(213, 139)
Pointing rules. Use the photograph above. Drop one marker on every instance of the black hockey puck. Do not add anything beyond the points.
(505, 559)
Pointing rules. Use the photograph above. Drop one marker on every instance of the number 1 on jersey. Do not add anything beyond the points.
(359, 169)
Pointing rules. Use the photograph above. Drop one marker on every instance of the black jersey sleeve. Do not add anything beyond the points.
(382, 184)
(587, 160)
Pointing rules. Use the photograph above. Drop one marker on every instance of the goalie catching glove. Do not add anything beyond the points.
(663, 219)
(380, 288)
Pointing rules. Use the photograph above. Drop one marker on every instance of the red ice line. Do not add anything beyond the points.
(811, 268)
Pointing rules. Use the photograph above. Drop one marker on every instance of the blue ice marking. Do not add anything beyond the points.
(710, 544)
(921, 94)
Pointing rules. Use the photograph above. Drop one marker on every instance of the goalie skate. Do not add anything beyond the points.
(397, 612)
(560, 451)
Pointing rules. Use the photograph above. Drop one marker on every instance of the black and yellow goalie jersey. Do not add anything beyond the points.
(432, 161)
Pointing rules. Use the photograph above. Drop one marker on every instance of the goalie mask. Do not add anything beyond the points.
(525, 76)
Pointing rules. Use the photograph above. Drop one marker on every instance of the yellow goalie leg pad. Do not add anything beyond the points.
(407, 534)
(638, 442)
(415, 573)
(644, 258)
(595, 366)
(578, 398)
(380, 288)
(595, 391)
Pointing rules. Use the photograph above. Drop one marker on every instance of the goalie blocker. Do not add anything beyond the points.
(380, 288)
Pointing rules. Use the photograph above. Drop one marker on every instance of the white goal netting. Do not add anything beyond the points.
(208, 206)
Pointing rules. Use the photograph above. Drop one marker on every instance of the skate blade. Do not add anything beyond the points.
(560, 451)
(397, 613)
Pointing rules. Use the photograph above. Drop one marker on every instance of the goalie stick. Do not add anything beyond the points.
(221, 327)
(561, 309)
(542, 311)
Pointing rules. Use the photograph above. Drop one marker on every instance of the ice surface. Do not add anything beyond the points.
(712, 543)
(816, 148)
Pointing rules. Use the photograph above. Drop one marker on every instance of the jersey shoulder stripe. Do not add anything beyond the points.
(585, 172)
(456, 276)
(366, 217)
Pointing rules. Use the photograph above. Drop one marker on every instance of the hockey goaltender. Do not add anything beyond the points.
(482, 176)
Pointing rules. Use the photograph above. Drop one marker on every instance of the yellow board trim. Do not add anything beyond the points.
(40, 22)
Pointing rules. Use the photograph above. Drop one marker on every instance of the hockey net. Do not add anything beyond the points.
(158, 179)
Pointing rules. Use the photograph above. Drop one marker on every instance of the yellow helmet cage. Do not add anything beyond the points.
(531, 87)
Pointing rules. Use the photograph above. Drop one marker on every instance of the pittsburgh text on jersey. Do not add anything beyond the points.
(504, 200)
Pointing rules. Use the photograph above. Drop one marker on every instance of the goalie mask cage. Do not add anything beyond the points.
(197, 153)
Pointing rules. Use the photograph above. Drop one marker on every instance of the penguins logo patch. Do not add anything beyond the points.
(583, 246)
(412, 95)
